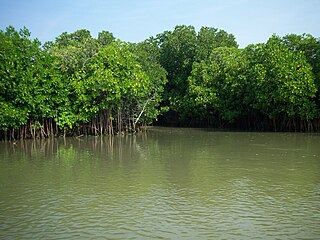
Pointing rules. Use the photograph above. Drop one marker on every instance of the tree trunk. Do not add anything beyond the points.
(119, 121)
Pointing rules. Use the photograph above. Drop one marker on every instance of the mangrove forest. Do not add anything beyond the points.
(80, 85)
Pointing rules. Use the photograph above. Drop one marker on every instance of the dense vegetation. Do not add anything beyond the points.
(83, 85)
(76, 85)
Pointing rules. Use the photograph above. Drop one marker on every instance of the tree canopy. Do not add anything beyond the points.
(78, 84)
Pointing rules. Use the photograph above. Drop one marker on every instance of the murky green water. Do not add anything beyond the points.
(168, 184)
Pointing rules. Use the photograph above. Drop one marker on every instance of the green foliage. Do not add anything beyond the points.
(177, 52)
(79, 83)
(266, 78)
(310, 47)
(114, 78)
(75, 80)
(105, 38)
(11, 116)
(24, 78)
(282, 81)
(74, 50)
(218, 85)
(147, 53)
(211, 38)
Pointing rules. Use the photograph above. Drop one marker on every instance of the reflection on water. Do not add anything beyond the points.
(167, 184)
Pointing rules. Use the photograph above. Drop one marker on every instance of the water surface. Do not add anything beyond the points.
(167, 184)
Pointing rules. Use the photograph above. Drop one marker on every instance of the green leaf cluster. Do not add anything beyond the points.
(179, 50)
(75, 82)
(25, 79)
(85, 85)
(264, 79)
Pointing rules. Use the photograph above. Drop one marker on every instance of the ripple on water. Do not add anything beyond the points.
(219, 186)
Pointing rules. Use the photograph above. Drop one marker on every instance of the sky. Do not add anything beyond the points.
(250, 21)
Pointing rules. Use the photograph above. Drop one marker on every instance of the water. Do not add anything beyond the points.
(168, 184)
